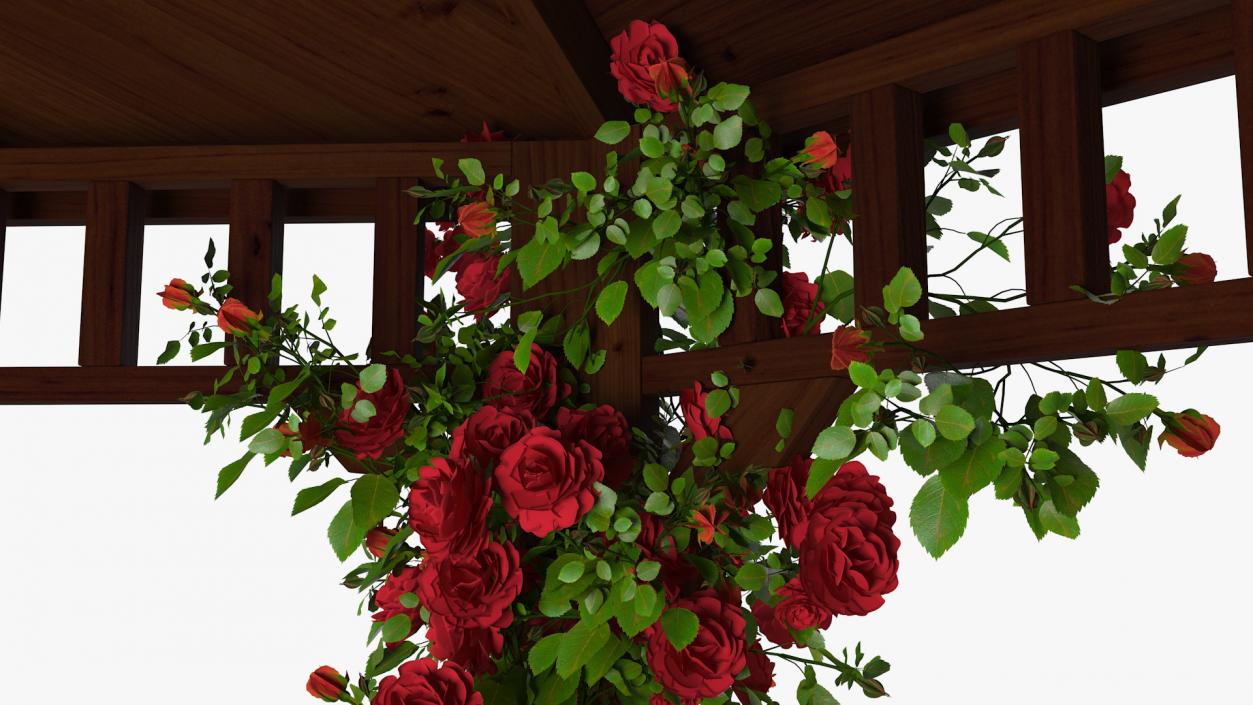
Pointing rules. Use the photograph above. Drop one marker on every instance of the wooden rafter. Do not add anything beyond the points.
(1242, 20)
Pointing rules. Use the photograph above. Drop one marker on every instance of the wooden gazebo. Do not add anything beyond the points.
(123, 114)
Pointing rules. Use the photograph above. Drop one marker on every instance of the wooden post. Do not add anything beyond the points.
(256, 239)
(1063, 168)
(398, 269)
(888, 192)
(114, 243)
(4, 216)
(749, 325)
(1242, 24)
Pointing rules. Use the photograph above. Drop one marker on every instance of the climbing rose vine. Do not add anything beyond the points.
(521, 541)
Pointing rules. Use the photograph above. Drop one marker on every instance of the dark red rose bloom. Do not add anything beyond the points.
(477, 282)
(670, 78)
(786, 499)
(311, 433)
(797, 611)
(486, 134)
(608, 431)
(546, 484)
(768, 624)
(1196, 268)
(388, 598)
(177, 295)
(798, 295)
(697, 420)
(760, 676)
(438, 246)
(480, 439)
(235, 317)
(1120, 205)
(641, 46)
(840, 176)
(376, 540)
(678, 575)
(326, 683)
(848, 558)
(476, 219)
(1190, 432)
(474, 648)
(472, 590)
(534, 392)
(424, 682)
(820, 150)
(710, 664)
(381, 431)
(849, 345)
(448, 508)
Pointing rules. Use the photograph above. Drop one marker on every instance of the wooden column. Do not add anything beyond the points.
(114, 243)
(748, 324)
(1242, 24)
(4, 215)
(256, 239)
(1063, 167)
(398, 269)
(889, 229)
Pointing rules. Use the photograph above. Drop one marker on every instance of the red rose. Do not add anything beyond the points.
(476, 219)
(760, 678)
(327, 684)
(710, 664)
(1196, 268)
(840, 176)
(474, 648)
(480, 439)
(1120, 205)
(376, 540)
(608, 431)
(547, 485)
(423, 682)
(477, 282)
(310, 433)
(849, 344)
(798, 296)
(448, 508)
(848, 558)
(177, 295)
(388, 598)
(1191, 433)
(797, 611)
(670, 79)
(786, 499)
(534, 392)
(484, 135)
(438, 246)
(641, 46)
(235, 317)
(820, 151)
(770, 626)
(697, 420)
(472, 590)
(373, 437)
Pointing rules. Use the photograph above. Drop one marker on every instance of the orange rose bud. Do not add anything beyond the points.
(670, 78)
(1190, 432)
(177, 295)
(376, 540)
(476, 219)
(1196, 268)
(235, 317)
(848, 345)
(327, 684)
(820, 151)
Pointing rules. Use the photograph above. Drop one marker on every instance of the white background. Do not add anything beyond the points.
(123, 576)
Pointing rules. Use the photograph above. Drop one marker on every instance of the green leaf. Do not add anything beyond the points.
(925, 460)
(578, 645)
(396, 628)
(1169, 246)
(937, 517)
(268, 441)
(600, 662)
(1133, 365)
(255, 422)
(345, 536)
(610, 301)
(783, 422)
(991, 243)
(229, 474)
(728, 132)
(613, 132)
(373, 378)
(583, 181)
(1130, 408)
(1069, 496)
(864, 375)
(681, 626)
(667, 224)
(954, 422)
(656, 477)
(1134, 448)
(552, 689)
(1058, 523)
(957, 133)
(751, 576)
(902, 292)
(473, 170)
(576, 343)
(572, 571)
(768, 302)
(974, 470)
(924, 432)
(835, 443)
(312, 496)
(659, 503)
(1096, 395)
(718, 403)
(373, 498)
(1113, 165)
(537, 259)
(171, 351)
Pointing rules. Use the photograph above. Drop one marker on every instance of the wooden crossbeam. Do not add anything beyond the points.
(256, 239)
(398, 275)
(114, 241)
(1242, 20)
(95, 385)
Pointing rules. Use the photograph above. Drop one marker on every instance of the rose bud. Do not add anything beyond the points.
(1196, 268)
(820, 151)
(177, 295)
(376, 540)
(326, 683)
(1120, 205)
(476, 219)
(1190, 432)
(235, 317)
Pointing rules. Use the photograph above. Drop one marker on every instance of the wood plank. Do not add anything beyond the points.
(323, 165)
(1212, 314)
(888, 232)
(4, 214)
(398, 270)
(112, 262)
(256, 240)
(1063, 172)
(196, 206)
(814, 403)
(1242, 20)
(104, 385)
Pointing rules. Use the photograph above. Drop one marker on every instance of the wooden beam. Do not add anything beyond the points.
(398, 270)
(4, 214)
(1242, 20)
(256, 240)
(112, 261)
(111, 385)
(197, 206)
(1212, 314)
(888, 232)
(1063, 168)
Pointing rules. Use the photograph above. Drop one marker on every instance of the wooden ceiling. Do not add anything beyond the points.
(186, 72)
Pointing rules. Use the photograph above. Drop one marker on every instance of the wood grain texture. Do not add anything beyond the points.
(196, 206)
(112, 262)
(1242, 20)
(256, 240)
(398, 257)
(104, 385)
(888, 198)
(4, 215)
(814, 403)
(1063, 168)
